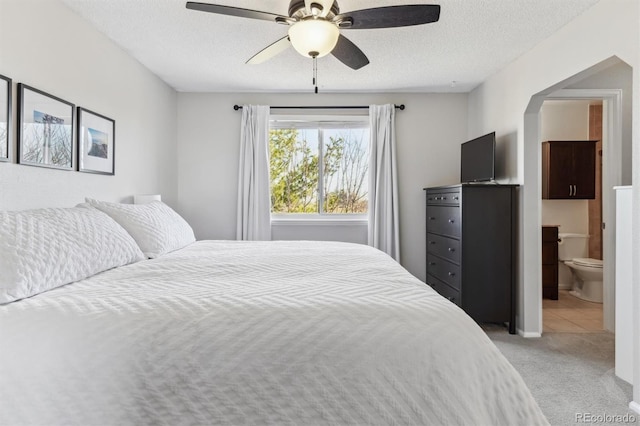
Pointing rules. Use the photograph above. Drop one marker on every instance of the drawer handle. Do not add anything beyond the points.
(432, 218)
(430, 199)
(456, 198)
(452, 274)
(432, 263)
(451, 220)
(451, 249)
(443, 198)
(432, 242)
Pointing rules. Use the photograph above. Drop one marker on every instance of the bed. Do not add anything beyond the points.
(231, 332)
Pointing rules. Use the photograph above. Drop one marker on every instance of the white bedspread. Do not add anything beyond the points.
(253, 333)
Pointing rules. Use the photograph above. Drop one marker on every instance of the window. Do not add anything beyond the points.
(319, 167)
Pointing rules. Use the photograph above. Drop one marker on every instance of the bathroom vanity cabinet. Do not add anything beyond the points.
(471, 248)
(569, 170)
(550, 262)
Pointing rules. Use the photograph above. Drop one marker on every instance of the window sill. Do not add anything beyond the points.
(319, 221)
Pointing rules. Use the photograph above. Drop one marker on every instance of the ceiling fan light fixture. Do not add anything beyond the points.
(314, 37)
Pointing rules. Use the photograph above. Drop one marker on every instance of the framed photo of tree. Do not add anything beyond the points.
(45, 129)
(5, 117)
(96, 143)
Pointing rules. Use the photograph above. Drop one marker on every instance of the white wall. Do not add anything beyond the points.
(47, 46)
(565, 120)
(618, 76)
(609, 28)
(569, 215)
(429, 133)
(323, 231)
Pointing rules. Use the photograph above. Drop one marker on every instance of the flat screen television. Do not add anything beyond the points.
(478, 159)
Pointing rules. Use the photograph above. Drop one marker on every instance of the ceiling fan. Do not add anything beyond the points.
(314, 26)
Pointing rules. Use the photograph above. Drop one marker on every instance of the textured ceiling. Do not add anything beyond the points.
(202, 52)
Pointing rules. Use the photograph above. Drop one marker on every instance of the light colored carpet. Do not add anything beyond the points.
(569, 374)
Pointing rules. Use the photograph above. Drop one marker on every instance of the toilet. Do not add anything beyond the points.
(576, 271)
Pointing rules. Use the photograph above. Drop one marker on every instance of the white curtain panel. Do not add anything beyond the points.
(383, 181)
(254, 208)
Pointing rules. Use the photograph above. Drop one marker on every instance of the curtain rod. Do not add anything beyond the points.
(400, 107)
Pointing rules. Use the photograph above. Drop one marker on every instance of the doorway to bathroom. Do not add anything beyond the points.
(571, 209)
(609, 81)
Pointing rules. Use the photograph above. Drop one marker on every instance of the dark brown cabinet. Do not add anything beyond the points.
(471, 248)
(569, 170)
(550, 262)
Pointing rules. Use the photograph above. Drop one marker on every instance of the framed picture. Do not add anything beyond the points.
(45, 129)
(5, 117)
(96, 143)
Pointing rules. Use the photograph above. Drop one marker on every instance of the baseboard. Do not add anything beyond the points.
(529, 334)
(634, 406)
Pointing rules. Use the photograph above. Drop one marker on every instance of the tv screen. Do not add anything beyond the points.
(477, 159)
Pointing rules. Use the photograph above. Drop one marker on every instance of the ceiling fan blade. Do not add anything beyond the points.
(307, 5)
(391, 16)
(270, 51)
(234, 11)
(325, 5)
(349, 54)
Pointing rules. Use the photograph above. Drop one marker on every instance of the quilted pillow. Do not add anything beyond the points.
(47, 248)
(156, 227)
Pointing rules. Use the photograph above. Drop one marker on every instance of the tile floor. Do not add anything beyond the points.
(569, 314)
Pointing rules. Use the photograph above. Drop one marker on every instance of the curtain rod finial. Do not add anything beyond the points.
(236, 107)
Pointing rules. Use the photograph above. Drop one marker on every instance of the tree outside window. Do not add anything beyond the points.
(319, 168)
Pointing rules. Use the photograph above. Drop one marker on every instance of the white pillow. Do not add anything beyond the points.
(156, 227)
(47, 248)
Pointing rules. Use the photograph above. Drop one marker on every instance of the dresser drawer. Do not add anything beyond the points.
(444, 270)
(443, 220)
(447, 292)
(445, 247)
(451, 197)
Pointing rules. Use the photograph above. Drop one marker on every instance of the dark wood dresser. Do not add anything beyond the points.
(550, 262)
(471, 230)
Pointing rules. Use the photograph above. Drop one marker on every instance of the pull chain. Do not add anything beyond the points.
(315, 73)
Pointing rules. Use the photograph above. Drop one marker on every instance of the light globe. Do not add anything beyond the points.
(314, 37)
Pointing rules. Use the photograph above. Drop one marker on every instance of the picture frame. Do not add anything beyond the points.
(45, 129)
(5, 117)
(96, 143)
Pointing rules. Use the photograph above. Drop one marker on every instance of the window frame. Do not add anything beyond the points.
(319, 122)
